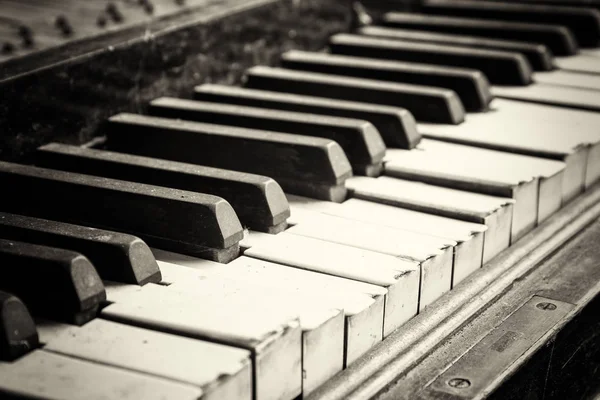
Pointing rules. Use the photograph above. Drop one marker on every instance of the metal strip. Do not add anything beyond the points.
(404, 348)
(477, 369)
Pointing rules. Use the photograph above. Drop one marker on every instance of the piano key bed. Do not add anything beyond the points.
(319, 230)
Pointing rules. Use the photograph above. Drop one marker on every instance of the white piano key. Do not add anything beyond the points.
(400, 277)
(467, 167)
(534, 129)
(568, 78)
(322, 322)
(363, 303)
(468, 252)
(456, 175)
(434, 255)
(584, 62)
(221, 372)
(494, 212)
(269, 331)
(42, 374)
(580, 98)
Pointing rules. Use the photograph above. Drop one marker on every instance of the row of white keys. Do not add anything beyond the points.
(321, 320)
(433, 255)
(399, 276)
(558, 133)
(534, 183)
(469, 237)
(219, 372)
(494, 212)
(362, 303)
(267, 328)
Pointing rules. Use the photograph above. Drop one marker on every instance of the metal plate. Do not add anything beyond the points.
(486, 361)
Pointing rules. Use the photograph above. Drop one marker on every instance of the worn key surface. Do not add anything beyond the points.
(424, 102)
(300, 164)
(363, 303)
(18, 333)
(500, 67)
(481, 162)
(468, 251)
(322, 322)
(176, 219)
(271, 332)
(434, 255)
(537, 130)
(43, 374)
(569, 97)
(538, 55)
(116, 256)
(557, 38)
(470, 85)
(359, 139)
(494, 212)
(258, 201)
(583, 22)
(52, 282)
(221, 372)
(396, 125)
(401, 277)
(488, 172)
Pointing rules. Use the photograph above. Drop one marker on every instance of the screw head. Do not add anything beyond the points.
(546, 306)
(459, 383)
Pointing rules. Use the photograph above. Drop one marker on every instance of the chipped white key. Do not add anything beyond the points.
(494, 212)
(468, 252)
(538, 130)
(269, 331)
(535, 183)
(221, 372)
(363, 303)
(434, 255)
(400, 277)
(45, 375)
(321, 321)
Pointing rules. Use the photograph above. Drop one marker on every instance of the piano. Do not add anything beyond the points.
(281, 199)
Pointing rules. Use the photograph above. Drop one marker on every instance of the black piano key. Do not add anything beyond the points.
(396, 125)
(470, 85)
(117, 256)
(538, 55)
(583, 22)
(53, 283)
(176, 220)
(556, 37)
(18, 334)
(425, 103)
(359, 139)
(500, 67)
(258, 200)
(300, 164)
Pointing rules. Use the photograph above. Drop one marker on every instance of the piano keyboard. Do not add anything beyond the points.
(254, 242)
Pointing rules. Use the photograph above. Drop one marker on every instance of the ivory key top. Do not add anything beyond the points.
(494, 212)
(469, 237)
(363, 303)
(43, 374)
(434, 255)
(400, 277)
(269, 331)
(220, 372)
